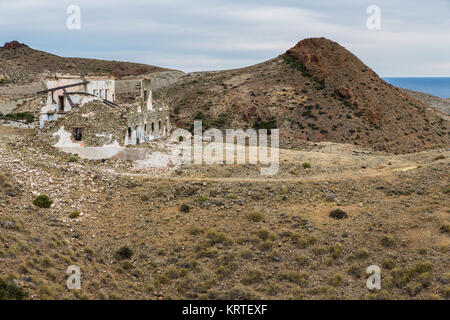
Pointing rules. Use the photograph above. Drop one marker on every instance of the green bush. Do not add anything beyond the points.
(296, 64)
(336, 280)
(124, 253)
(388, 263)
(413, 289)
(27, 116)
(255, 217)
(218, 237)
(355, 270)
(42, 201)
(202, 198)
(338, 214)
(195, 231)
(268, 125)
(446, 292)
(335, 250)
(74, 214)
(263, 234)
(445, 228)
(382, 295)
(223, 272)
(185, 207)
(362, 253)
(253, 276)
(126, 265)
(245, 254)
(422, 267)
(72, 159)
(89, 251)
(387, 241)
(299, 241)
(319, 250)
(10, 291)
(299, 278)
(265, 246)
(222, 121)
(200, 116)
(302, 260)
(400, 277)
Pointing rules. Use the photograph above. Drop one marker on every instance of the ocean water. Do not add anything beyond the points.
(439, 87)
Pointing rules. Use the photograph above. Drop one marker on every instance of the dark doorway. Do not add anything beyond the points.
(145, 95)
(138, 135)
(77, 134)
(61, 103)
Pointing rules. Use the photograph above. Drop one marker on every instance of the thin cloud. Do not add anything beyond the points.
(213, 34)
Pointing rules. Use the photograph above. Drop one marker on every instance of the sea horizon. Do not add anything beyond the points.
(436, 86)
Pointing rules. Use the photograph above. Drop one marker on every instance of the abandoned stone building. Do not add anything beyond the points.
(99, 116)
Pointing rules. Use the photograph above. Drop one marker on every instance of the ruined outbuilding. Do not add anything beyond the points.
(93, 117)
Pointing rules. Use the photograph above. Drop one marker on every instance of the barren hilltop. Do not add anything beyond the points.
(316, 91)
(21, 64)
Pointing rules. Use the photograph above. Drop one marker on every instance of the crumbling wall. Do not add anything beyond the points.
(165, 78)
(100, 125)
(146, 125)
(126, 89)
(103, 88)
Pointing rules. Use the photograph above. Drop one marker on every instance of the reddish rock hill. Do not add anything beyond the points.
(13, 45)
(316, 91)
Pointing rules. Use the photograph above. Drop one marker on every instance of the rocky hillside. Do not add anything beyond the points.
(223, 231)
(316, 91)
(22, 69)
(441, 104)
(20, 64)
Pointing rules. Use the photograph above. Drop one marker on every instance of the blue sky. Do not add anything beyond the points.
(195, 35)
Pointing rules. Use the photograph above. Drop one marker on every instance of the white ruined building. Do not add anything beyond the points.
(65, 92)
(144, 119)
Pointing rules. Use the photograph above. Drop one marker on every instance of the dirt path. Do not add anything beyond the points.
(312, 178)
(344, 175)
(348, 165)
